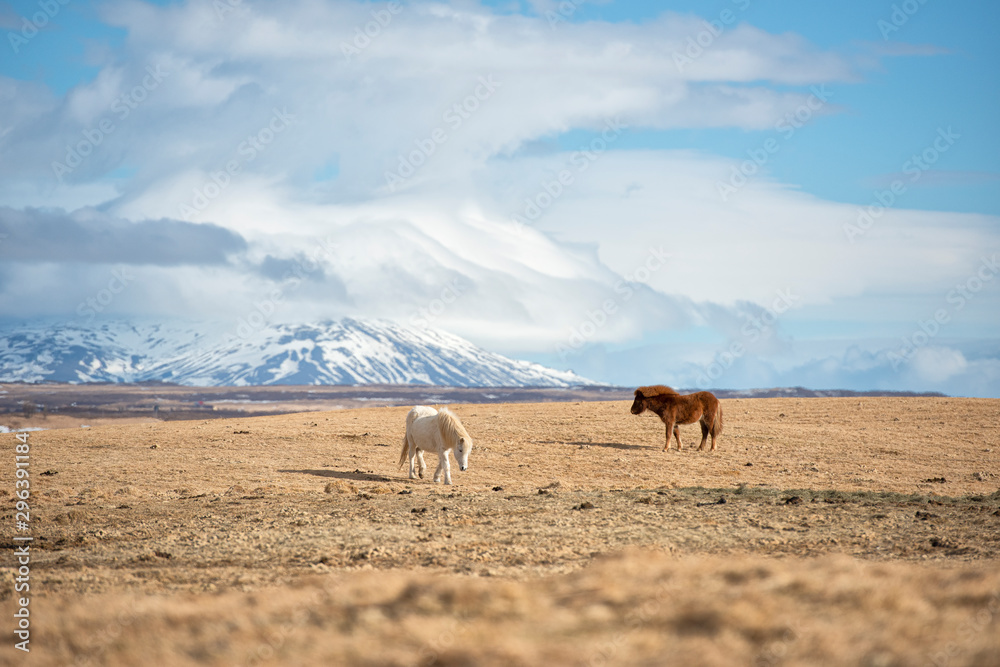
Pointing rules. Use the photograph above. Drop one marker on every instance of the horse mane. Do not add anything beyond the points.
(451, 427)
(655, 390)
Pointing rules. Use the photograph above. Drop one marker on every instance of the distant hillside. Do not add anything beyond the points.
(802, 392)
(196, 354)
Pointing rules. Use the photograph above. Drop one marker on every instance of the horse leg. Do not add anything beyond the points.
(671, 428)
(443, 467)
(447, 466)
(716, 423)
(704, 434)
(420, 459)
(677, 435)
(440, 468)
(410, 452)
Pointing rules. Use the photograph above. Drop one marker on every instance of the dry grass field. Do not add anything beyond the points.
(824, 531)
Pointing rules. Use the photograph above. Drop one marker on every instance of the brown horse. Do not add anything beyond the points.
(674, 409)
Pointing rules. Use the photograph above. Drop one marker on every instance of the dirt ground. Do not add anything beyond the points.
(823, 531)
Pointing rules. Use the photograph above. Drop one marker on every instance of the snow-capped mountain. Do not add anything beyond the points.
(346, 352)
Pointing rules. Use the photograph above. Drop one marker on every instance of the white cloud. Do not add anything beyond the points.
(224, 73)
(937, 364)
(525, 290)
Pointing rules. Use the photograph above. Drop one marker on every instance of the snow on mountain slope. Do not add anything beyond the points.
(345, 352)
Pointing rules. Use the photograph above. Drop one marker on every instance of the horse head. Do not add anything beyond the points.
(643, 393)
(462, 450)
(639, 405)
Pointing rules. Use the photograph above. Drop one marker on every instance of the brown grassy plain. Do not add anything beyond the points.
(823, 531)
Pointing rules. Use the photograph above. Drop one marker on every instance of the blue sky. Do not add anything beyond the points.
(322, 129)
(885, 118)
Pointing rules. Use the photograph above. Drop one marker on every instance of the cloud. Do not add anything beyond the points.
(941, 368)
(447, 124)
(935, 365)
(306, 272)
(89, 236)
(222, 75)
(285, 268)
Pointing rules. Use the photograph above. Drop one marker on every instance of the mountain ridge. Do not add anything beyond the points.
(348, 351)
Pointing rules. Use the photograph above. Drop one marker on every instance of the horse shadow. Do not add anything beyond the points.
(356, 476)
(612, 445)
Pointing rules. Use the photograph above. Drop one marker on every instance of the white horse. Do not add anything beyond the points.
(431, 430)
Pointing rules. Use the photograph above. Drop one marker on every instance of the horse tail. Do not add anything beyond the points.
(717, 425)
(405, 454)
